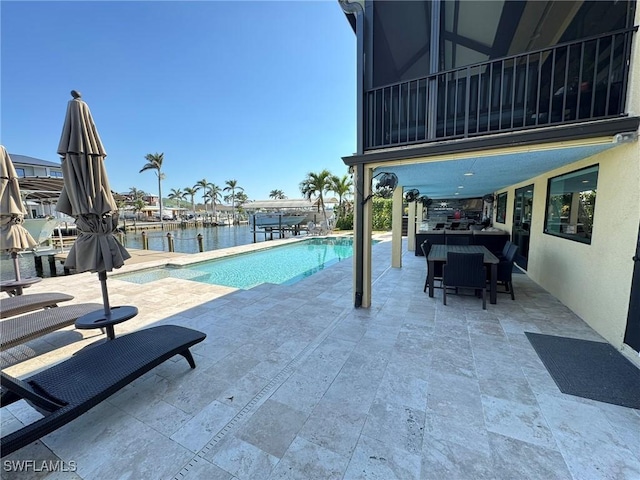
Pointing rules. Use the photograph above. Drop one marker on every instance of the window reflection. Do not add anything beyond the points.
(571, 201)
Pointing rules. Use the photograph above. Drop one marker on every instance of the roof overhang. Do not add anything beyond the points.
(470, 168)
(41, 188)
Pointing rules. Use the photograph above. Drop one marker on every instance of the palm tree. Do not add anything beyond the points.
(232, 186)
(192, 193)
(277, 195)
(341, 186)
(204, 186)
(135, 194)
(215, 194)
(154, 162)
(177, 195)
(317, 184)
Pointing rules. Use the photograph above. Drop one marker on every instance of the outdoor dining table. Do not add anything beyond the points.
(438, 253)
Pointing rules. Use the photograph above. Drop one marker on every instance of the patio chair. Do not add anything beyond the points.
(505, 270)
(68, 389)
(313, 229)
(437, 274)
(505, 250)
(465, 270)
(20, 304)
(22, 328)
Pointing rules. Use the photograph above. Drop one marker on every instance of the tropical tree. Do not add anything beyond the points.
(204, 186)
(177, 195)
(136, 194)
(232, 186)
(154, 162)
(277, 195)
(341, 186)
(192, 193)
(215, 194)
(317, 184)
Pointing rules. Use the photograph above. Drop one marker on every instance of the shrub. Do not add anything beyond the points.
(382, 208)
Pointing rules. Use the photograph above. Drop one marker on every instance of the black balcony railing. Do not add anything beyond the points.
(570, 82)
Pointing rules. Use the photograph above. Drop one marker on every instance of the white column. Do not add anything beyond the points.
(396, 226)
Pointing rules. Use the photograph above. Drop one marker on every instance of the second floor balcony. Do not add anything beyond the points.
(578, 81)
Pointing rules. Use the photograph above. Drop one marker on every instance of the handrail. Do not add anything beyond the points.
(578, 80)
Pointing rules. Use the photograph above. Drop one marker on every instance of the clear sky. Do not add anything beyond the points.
(256, 91)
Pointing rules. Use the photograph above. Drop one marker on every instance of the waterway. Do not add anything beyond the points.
(185, 241)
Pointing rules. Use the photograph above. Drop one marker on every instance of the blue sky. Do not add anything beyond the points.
(257, 91)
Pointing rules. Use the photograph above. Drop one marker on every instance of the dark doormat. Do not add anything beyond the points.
(589, 369)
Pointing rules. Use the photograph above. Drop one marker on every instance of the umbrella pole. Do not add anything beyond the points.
(16, 265)
(105, 294)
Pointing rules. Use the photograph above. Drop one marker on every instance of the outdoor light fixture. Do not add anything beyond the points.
(488, 198)
(411, 195)
(387, 182)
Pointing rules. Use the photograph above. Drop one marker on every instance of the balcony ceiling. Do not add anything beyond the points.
(444, 177)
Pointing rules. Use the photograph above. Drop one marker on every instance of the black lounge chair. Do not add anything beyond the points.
(20, 304)
(20, 329)
(68, 389)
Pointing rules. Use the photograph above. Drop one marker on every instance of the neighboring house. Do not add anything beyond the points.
(40, 184)
(534, 103)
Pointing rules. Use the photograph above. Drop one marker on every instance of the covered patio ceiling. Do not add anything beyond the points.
(475, 174)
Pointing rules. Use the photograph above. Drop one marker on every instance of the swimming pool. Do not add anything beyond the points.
(283, 265)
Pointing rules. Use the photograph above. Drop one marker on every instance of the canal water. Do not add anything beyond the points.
(185, 241)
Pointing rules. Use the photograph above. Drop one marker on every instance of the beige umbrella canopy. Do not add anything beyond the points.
(14, 237)
(87, 197)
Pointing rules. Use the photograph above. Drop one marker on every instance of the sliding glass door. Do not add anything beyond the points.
(522, 210)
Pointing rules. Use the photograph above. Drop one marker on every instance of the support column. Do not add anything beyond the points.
(396, 228)
(411, 227)
(362, 237)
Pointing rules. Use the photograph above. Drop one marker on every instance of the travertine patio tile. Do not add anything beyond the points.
(373, 459)
(201, 428)
(272, 427)
(306, 460)
(517, 420)
(243, 460)
(334, 428)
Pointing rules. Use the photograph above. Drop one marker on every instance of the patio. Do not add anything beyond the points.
(293, 382)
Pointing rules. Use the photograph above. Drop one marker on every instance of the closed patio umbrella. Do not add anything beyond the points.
(87, 197)
(14, 237)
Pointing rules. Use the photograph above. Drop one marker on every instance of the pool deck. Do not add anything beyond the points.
(292, 382)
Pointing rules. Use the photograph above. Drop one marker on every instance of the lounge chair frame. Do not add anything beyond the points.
(68, 389)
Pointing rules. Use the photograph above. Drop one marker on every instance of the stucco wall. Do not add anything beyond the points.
(594, 280)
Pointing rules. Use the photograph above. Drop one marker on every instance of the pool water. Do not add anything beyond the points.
(283, 265)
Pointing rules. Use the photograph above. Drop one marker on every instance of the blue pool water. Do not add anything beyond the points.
(284, 264)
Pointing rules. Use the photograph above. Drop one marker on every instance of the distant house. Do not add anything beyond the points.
(40, 183)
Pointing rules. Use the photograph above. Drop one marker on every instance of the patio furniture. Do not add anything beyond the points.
(457, 240)
(20, 304)
(437, 275)
(98, 319)
(15, 287)
(505, 270)
(68, 389)
(20, 329)
(465, 270)
(438, 254)
(505, 250)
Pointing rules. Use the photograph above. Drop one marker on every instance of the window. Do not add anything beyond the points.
(56, 174)
(20, 172)
(501, 208)
(571, 201)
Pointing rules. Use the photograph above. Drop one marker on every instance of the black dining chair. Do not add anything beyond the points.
(437, 267)
(505, 270)
(465, 270)
(505, 250)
